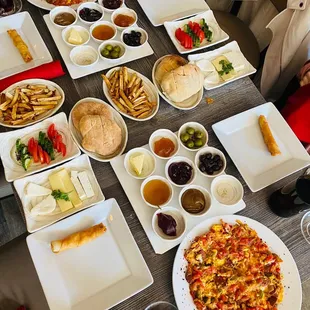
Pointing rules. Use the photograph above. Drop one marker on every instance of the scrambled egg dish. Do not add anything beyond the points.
(231, 268)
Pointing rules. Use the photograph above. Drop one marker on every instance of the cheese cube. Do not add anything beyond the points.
(78, 187)
(219, 67)
(82, 176)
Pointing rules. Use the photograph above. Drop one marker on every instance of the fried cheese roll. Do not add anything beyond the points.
(20, 45)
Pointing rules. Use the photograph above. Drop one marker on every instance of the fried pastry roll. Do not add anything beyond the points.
(20, 45)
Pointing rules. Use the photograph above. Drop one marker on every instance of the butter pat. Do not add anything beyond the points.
(75, 37)
(82, 176)
(136, 163)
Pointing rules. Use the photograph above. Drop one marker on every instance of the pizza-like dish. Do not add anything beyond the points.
(64, 2)
(231, 268)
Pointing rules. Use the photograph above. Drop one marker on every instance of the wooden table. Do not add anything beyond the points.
(228, 100)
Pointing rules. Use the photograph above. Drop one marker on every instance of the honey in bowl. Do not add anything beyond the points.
(156, 192)
(164, 147)
(122, 20)
(103, 32)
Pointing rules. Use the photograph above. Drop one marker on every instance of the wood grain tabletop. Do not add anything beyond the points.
(231, 99)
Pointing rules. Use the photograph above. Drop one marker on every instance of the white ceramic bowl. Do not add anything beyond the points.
(213, 151)
(156, 177)
(177, 159)
(206, 194)
(102, 22)
(164, 133)
(144, 37)
(187, 104)
(178, 217)
(124, 11)
(227, 190)
(84, 52)
(113, 43)
(196, 126)
(62, 9)
(110, 10)
(90, 5)
(81, 30)
(148, 166)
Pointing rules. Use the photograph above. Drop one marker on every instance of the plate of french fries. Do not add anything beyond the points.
(131, 93)
(28, 102)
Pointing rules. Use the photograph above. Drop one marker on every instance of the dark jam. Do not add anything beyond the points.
(90, 15)
(112, 4)
(167, 224)
(180, 173)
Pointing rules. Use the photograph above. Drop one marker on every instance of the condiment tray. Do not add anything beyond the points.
(78, 72)
(131, 187)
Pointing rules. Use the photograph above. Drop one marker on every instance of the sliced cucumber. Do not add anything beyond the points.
(26, 162)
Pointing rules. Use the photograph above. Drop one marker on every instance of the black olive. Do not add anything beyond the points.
(208, 155)
(216, 168)
(202, 167)
(216, 157)
(209, 170)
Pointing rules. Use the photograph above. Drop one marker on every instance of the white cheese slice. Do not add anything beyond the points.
(78, 187)
(212, 78)
(34, 190)
(74, 173)
(205, 66)
(86, 184)
(236, 59)
(46, 206)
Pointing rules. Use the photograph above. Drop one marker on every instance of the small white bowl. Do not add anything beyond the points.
(213, 151)
(83, 52)
(164, 133)
(177, 159)
(93, 6)
(113, 43)
(144, 36)
(149, 165)
(227, 185)
(178, 217)
(82, 31)
(196, 126)
(110, 10)
(106, 23)
(62, 9)
(156, 177)
(206, 194)
(124, 11)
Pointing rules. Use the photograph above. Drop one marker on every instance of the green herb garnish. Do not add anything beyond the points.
(226, 67)
(59, 195)
(46, 145)
(208, 33)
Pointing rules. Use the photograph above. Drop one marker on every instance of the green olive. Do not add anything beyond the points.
(109, 47)
(190, 144)
(116, 48)
(198, 134)
(105, 53)
(185, 137)
(114, 55)
(190, 130)
(198, 143)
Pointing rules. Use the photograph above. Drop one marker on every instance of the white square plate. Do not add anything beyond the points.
(35, 223)
(11, 62)
(161, 11)
(243, 141)
(97, 275)
(230, 47)
(13, 169)
(219, 35)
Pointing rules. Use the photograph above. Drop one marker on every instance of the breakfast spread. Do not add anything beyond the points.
(156, 192)
(78, 239)
(193, 201)
(90, 15)
(20, 45)
(64, 19)
(180, 173)
(269, 140)
(167, 224)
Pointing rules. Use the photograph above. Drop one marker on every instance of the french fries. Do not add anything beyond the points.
(128, 93)
(26, 102)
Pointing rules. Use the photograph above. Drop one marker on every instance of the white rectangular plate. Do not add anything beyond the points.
(80, 164)
(11, 62)
(78, 72)
(243, 141)
(97, 275)
(13, 169)
(132, 186)
(219, 35)
(161, 11)
(230, 47)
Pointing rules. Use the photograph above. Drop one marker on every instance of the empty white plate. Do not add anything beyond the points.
(97, 275)
(243, 141)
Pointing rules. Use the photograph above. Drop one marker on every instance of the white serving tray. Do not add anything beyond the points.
(13, 169)
(131, 187)
(97, 275)
(11, 62)
(78, 72)
(81, 163)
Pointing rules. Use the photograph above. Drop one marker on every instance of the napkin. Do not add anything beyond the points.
(46, 71)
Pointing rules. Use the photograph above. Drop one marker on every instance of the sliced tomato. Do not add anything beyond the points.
(51, 131)
(178, 34)
(41, 154)
(63, 149)
(201, 35)
(47, 158)
(188, 41)
(35, 152)
(30, 145)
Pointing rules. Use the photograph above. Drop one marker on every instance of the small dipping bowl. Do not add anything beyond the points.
(91, 6)
(149, 164)
(84, 56)
(164, 133)
(65, 34)
(207, 196)
(227, 190)
(62, 9)
(102, 23)
(156, 177)
(113, 43)
(178, 217)
(124, 11)
(143, 39)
